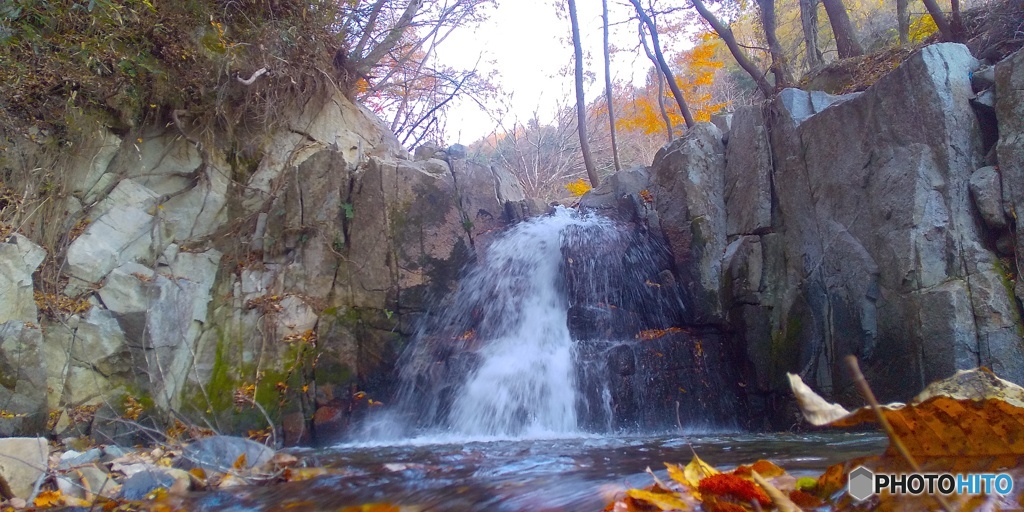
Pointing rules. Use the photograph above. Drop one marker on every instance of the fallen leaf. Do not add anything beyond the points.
(300, 474)
(696, 471)
(664, 501)
(47, 499)
(816, 410)
(735, 487)
(972, 414)
(781, 501)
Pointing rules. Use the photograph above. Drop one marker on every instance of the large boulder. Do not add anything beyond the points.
(22, 363)
(19, 258)
(1010, 147)
(748, 190)
(23, 461)
(688, 183)
(880, 234)
(22, 378)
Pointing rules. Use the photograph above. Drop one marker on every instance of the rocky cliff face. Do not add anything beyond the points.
(876, 224)
(205, 284)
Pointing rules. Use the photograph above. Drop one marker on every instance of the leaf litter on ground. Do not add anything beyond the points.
(972, 422)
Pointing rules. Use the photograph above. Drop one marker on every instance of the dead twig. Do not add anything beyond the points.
(256, 74)
(869, 396)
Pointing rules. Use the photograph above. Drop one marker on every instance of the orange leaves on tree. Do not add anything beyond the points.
(696, 71)
(700, 67)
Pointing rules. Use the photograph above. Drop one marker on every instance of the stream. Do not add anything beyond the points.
(519, 389)
(546, 474)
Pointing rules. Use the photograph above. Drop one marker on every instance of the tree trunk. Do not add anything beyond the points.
(780, 66)
(846, 38)
(940, 20)
(956, 22)
(730, 40)
(608, 85)
(672, 85)
(581, 104)
(661, 84)
(809, 22)
(903, 20)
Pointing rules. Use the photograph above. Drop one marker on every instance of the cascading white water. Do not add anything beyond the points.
(517, 376)
(560, 327)
(526, 380)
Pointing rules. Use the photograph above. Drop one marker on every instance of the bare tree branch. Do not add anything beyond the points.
(672, 85)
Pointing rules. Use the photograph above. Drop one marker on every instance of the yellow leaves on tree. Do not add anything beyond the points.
(578, 188)
(921, 28)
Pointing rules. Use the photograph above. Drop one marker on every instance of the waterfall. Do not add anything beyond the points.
(498, 359)
(544, 337)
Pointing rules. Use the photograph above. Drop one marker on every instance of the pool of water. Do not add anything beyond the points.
(542, 474)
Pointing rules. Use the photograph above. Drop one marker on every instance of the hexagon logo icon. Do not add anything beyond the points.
(861, 483)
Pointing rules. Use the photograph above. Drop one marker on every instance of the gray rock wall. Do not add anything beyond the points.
(299, 274)
(865, 224)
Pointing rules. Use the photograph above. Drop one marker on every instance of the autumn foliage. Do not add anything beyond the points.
(969, 423)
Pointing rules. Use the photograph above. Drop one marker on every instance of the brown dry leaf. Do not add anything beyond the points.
(664, 501)
(972, 414)
(240, 463)
(300, 474)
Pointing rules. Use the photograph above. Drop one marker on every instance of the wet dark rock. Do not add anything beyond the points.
(139, 485)
(328, 422)
(71, 459)
(621, 360)
(218, 454)
(295, 430)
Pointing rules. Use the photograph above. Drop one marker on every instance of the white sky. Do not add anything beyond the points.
(530, 46)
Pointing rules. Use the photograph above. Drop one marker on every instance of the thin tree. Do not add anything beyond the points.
(780, 64)
(726, 34)
(661, 84)
(608, 85)
(846, 38)
(672, 85)
(945, 30)
(581, 104)
(956, 22)
(809, 23)
(903, 20)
